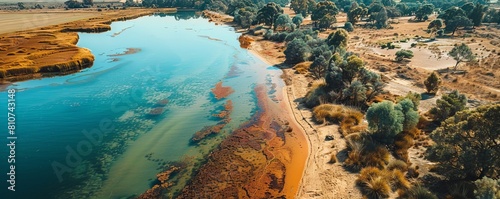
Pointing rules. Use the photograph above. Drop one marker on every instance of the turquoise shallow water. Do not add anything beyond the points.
(179, 60)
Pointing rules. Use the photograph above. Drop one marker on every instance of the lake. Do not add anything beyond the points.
(106, 131)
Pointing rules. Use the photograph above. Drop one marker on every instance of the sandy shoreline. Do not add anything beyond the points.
(320, 179)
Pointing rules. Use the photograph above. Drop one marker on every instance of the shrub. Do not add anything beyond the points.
(487, 188)
(414, 97)
(397, 164)
(448, 105)
(348, 26)
(327, 112)
(385, 121)
(432, 83)
(373, 184)
(403, 54)
(297, 51)
(351, 122)
(364, 152)
(401, 145)
(399, 180)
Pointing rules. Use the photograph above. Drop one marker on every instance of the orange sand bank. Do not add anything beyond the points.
(263, 159)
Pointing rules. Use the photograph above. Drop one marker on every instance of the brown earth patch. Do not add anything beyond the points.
(220, 91)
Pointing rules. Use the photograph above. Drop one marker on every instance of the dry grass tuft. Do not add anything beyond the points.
(399, 180)
(363, 152)
(349, 118)
(303, 67)
(328, 112)
(373, 184)
(397, 164)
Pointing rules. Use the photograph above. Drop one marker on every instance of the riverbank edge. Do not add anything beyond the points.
(256, 48)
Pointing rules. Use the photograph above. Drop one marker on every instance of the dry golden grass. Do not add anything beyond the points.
(373, 183)
(348, 118)
(397, 165)
(303, 67)
(363, 152)
(380, 183)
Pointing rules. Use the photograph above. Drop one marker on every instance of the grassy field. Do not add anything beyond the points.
(11, 22)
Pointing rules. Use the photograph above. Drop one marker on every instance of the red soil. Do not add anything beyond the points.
(254, 160)
(208, 130)
(221, 91)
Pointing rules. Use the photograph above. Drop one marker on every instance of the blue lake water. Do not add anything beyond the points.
(91, 134)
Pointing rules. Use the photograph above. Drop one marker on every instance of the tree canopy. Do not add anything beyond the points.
(467, 144)
(324, 14)
(461, 53)
(268, 13)
(300, 7)
(448, 105)
(423, 12)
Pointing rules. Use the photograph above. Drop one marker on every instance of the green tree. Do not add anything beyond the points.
(457, 22)
(477, 14)
(297, 51)
(467, 145)
(355, 93)
(375, 7)
(88, 2)
(73, 4)
(450, 18)
(282, 21)
(297, 20)
(352, 68)
(435, 25)
(244, 18)
(338, 39)
(324, 14)
(385, 121)
(462, 53)
(21, 6)
(381, 18)
(414, 97)
(448, 105)
(467, 7)
(432, 83)
(403, 8)
(318, 67)
(423, 12)
(300, 7)
(403, 54)
(268, 13)
(355, 13)
(410, 113)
